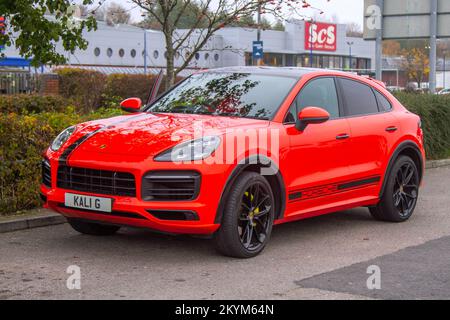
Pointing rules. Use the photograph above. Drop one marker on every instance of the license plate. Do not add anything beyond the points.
(88, 202)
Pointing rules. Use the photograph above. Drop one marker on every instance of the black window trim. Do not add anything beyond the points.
(338, 94)
(378, 102)
(345, 116)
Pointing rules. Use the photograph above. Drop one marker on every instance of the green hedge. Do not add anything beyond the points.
(85, 87)
(23, 138)
(434, 111)
(91, 89)
(32, 103)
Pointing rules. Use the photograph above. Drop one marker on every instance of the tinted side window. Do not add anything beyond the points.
(319, 93)
(384, 103)
(359, 98)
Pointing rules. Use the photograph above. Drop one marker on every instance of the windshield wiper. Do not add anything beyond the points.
(230, 114)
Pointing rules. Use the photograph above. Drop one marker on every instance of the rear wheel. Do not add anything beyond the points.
(247, 218)
(400, 195)
(92, 228)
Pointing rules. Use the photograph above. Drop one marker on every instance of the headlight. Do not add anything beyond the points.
(62, 138)
(190, 151)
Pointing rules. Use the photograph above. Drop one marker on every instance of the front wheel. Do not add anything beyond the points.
(400, 195)
(247, 218)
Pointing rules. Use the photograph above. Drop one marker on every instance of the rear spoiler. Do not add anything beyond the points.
(381, 83)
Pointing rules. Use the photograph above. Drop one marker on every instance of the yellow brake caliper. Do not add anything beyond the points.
(255, 211)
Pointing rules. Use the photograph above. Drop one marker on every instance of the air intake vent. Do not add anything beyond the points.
(96, 181)
(170, 185)
(174, 215)
(46, 173)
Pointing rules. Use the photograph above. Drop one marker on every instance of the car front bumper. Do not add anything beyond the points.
(134, 211)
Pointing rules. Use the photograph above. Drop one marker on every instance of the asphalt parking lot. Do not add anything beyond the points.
(321, 258)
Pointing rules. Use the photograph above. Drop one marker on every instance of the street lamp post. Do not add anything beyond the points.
(258, 31)
(145, 51)
(350, 44)
(445, 53)
(311, 54)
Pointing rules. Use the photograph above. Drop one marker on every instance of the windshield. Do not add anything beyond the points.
(227, 94)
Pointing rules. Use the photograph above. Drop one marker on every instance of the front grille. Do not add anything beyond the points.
(170, 185)
(46, 173)
(96, 181)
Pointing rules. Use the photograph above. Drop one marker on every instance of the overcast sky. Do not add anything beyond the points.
(344, 10)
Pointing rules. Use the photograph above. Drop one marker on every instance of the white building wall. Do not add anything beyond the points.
(226, 48)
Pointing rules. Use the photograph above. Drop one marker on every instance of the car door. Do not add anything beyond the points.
(316, 158)
(373, 131)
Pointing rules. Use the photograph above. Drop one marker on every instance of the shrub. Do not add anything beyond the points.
(125, 86)
(26, 103)
(85, 87)
(434, 111)
(91, 89)
(122, 86)
(23, 138)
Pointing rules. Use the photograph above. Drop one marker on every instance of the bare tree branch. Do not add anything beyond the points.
(211, 17)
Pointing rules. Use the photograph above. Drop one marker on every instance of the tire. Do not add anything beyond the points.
(247, 219)
(91, 228)
(400, 194)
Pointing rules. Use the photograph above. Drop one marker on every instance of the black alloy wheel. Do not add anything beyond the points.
(254, 219)
(406, 189)
(247, 218)
(400, 194)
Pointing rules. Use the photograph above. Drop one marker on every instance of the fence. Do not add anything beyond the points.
(17, 81)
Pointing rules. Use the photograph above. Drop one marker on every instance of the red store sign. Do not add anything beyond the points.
(321, 36)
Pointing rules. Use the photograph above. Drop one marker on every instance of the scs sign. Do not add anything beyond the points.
(320, 36)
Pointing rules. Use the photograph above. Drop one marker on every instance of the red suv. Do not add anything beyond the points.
(230, 152)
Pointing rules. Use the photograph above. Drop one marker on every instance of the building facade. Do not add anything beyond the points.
(128, 49)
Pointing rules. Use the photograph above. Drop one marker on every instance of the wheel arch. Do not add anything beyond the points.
(410, 149)
(256, 163)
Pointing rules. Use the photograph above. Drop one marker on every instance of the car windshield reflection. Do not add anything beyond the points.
(226, 94)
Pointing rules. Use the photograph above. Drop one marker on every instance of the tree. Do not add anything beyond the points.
(100, 13)
(443, 47)
(209, 17)
(391, 48)
(190, 16)
(279, 26)
(244, 21)
(265, 24)
(35, 36)
(116, 14)
(416, 64)
(84, 11)
(354, 30)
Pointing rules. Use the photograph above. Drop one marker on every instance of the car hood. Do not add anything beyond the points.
(149, 133)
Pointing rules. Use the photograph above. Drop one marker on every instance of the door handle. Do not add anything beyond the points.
(342, 136)
(391, 129)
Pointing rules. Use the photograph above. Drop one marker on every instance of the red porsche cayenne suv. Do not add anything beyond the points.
(231, 152)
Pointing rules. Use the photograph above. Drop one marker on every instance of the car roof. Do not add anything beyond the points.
(295, 72)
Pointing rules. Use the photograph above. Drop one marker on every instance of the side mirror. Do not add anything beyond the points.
(311, 115)
(131, 105)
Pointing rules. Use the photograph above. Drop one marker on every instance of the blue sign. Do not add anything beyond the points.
(258, 50)
(14, 62)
